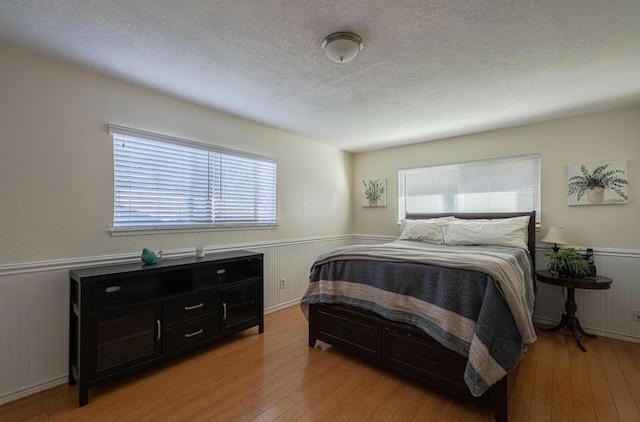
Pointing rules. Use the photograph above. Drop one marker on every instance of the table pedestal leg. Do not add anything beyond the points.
(570, 320)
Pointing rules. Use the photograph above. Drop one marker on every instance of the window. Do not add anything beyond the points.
(509, 184)
(166, 183)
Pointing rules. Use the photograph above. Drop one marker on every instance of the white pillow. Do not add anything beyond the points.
(446, 219)
(511, 232)
(428, 231)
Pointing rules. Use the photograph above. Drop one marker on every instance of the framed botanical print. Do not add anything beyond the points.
(374, 193)
(598, 183)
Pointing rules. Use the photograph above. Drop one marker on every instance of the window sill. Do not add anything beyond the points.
(156, 230)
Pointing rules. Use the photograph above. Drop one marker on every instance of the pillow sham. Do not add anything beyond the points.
(512, 232)
(406, 221)
(428, 230)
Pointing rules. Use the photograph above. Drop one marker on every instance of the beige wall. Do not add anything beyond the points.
(584, 139)
(56, 164)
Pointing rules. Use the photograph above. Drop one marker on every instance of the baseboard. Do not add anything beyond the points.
(37, 388)
(282, 306)
(598, 332)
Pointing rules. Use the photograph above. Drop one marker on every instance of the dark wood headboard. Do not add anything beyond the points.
(531, 237)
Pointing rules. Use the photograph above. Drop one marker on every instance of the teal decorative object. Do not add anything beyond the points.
(150, 257)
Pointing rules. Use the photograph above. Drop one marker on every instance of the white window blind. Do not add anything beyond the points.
(164, 183)
(510, 184)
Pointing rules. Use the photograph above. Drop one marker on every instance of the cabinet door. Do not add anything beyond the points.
(241, 308)
(124, 338)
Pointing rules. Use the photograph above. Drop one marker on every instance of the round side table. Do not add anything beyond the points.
(569, 318)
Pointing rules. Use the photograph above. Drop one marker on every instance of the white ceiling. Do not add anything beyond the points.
(429, 69)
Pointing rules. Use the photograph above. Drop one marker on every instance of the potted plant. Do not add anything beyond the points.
(567, 263)
(595, 183)
(373, 190)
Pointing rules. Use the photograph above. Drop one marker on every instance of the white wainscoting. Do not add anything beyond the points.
(34, 303)
(602, 312)
(34, 307)
(34, 338)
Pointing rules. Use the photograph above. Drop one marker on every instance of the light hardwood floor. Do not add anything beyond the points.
(277, 377)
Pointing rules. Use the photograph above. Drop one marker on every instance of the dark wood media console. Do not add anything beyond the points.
(402, 349)
(124, 318)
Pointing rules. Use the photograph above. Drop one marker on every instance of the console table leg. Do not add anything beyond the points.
(83, 393)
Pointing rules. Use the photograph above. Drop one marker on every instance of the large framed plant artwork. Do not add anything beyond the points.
(598, 183)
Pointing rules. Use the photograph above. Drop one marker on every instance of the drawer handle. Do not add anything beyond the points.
(224, 311)
(113, 289)
(191, 308)
(221, 271)
(345, 330)
(195, 333)
(430, 360)
(159, 329)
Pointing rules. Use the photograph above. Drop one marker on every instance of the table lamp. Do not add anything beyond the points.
(555, 236)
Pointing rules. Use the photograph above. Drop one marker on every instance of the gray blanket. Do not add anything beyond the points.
(477, 301)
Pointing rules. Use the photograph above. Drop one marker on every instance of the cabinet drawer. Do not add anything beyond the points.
(215, 274)
(190, 306)
(189, 334)
(420, 355)
(135, 288)
(359, 336)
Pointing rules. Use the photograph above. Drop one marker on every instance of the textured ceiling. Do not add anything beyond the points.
(429, 69)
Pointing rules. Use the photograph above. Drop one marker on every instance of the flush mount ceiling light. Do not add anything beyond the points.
(342, 47)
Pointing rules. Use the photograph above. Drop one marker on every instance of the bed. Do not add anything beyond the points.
(449, 303)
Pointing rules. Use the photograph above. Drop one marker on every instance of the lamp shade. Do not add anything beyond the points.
(555, 235)
(342, 47)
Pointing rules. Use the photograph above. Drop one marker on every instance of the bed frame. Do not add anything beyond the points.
(407, 350)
